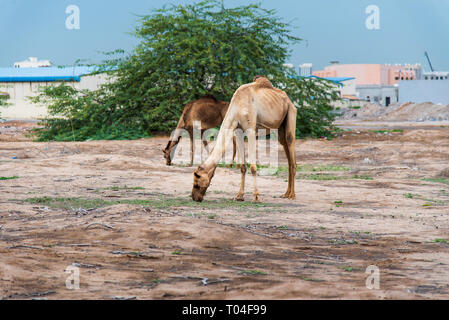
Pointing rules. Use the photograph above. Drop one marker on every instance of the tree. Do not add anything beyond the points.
(184, 53)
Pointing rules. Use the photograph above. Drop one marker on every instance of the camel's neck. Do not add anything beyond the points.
(223, 141)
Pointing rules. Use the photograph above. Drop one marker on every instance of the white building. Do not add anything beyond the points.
(305, 69)
(436, 75)
(32, 62)
(20, 83)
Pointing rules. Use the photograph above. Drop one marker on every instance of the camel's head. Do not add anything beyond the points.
(167, 152)
(201, 181)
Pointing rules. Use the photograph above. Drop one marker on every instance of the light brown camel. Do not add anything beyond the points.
(209, 111)
(257, 105)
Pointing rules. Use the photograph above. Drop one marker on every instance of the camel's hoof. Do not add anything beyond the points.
(257, 198)
(290, 196)
(239, 198)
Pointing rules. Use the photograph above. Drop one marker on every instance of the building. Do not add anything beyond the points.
(380, 94)
(375, 83)
(372, 74)
(306, 69)
(436, 75)
(32, 62)
(420, 91)
(20, 83)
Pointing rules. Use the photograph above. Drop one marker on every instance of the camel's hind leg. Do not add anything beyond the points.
(252, 155)
(239, 143)
(287, 137)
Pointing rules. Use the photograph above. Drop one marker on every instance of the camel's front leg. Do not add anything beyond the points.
(240, 145)
(252, 154)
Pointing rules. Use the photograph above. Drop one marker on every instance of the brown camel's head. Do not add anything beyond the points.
(201, 181)
(167, 152)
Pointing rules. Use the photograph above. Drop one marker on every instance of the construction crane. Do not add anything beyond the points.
(428, 60)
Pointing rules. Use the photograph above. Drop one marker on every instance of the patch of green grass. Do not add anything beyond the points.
(259, 166)
(9, 178)
(311, 279)
(437, 180)
(342, 242)
(156, 281)
(319, 177)
(445, 241)
(311, 168)
(321, 168)
(135, 253)
(409, 195)
(360, 232)
(386, 131)
(338, 203)
(361, 177)
(283, 227)
(252, 272)
(177, 252)
(159, 203)
(349, 268)
(212, 216)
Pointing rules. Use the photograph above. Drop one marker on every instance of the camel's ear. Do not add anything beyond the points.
(195, 173)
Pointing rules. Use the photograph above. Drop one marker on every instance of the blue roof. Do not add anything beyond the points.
(339, 79)
(44, 74)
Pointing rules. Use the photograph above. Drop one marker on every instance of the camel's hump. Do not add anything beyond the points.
(262, 82)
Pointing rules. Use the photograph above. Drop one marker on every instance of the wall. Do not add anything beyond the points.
(21, 108)
(419, 91)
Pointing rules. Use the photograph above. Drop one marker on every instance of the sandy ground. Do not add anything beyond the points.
(125, 220)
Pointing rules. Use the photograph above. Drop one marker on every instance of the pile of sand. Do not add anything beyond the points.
(399, 112)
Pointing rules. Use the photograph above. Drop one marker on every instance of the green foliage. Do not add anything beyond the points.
(9, 178)
(185, 52)
(313, 97)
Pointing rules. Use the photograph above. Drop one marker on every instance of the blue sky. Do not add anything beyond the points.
(331, 29)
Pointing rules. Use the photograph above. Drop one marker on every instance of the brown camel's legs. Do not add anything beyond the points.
(288, 141)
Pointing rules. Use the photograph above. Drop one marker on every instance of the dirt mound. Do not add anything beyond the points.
(399, 112)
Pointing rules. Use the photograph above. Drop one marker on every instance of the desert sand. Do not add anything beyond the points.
(114, 210)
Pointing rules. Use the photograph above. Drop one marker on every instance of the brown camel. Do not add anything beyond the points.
(209, 111)
(257, 105)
